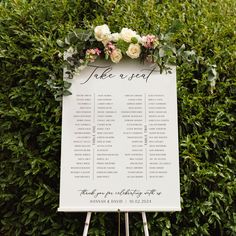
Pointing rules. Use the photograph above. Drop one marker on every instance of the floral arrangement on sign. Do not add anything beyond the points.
(85, 46)
(127, 42)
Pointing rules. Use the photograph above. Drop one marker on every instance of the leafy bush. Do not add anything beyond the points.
(30, 127)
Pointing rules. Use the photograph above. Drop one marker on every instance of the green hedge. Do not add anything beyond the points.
(30, 117)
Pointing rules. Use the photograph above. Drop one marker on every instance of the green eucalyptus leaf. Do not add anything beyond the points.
(66, 92)
(83, 35)
(67, 85)
(60, 43)
(162, 52)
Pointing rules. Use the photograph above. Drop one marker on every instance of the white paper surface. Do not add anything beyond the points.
(120, 140)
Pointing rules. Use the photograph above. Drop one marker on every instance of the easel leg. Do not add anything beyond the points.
(126, 223)
(145, 224)
(86, 225)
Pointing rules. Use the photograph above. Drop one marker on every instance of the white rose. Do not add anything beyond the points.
(105, 41)
(114, 37)
(126, 34)
(143, 40)
(116, 55)
(133, 51)
(101, 32)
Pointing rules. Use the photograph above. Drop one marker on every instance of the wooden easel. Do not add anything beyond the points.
(146, 233)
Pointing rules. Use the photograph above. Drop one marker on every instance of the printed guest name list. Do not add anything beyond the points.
(120, 140)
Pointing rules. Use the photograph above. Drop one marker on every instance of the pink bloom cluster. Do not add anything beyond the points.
(110, 47)
(92, 54)
(150, 41)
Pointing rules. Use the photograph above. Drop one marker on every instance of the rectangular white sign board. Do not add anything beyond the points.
(120, 140)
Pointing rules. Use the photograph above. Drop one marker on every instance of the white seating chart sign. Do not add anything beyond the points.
(120, 140)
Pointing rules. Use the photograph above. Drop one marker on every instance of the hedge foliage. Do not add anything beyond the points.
(30, 125)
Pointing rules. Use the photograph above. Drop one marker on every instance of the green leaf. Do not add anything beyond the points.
(134, 40)
(122, 45)
(66, 92)
(83, 35)
(60, 43)
(66, 85)
(161, 52)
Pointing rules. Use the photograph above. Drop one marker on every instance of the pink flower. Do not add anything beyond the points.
(97, 51)
(93, 51)
(110, 48)
(150, 41)
(91, 54)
